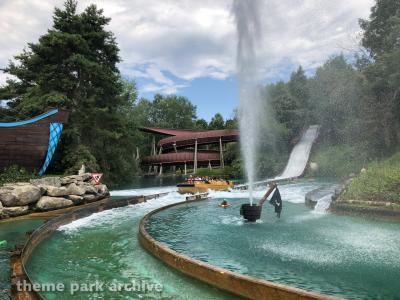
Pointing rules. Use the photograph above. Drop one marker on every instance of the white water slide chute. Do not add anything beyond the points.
(300, 154)
(298, 158)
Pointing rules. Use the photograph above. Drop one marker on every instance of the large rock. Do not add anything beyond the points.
(102, 190)
(76, 199)
(50, 203)
(75, 178)
(47, 181)
(56, 191)
(84, 177)
(1, 210)
(68, 180)
(89, 189)
(15, 211)
(20, 195)
(74, 189)
(6, 196)
(90, 198)
(12, 185)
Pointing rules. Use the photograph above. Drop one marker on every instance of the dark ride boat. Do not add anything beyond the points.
(31, 143)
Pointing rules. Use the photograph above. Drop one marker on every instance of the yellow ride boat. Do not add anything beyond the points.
(195, 186)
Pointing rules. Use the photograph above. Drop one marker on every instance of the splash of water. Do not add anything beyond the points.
(323, 204)
(248, 26)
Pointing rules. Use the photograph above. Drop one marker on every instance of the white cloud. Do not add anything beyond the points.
(192, 39)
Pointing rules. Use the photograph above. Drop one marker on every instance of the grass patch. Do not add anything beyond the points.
(380, 182)
(338, 161)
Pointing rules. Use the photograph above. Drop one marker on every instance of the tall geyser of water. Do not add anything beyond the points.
(248, 25)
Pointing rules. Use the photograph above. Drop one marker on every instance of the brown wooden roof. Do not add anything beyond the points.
(181, 157)
(186, 138)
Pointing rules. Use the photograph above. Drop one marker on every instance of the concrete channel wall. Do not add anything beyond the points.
(242, 285)
(19, 260)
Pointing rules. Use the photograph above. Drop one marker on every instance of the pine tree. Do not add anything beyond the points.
(74, 65)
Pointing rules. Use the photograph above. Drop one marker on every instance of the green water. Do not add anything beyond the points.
(104, 248)
(343, 256)
(14, 233)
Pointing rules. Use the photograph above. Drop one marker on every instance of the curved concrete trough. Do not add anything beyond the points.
(18, 272)
(238, 284)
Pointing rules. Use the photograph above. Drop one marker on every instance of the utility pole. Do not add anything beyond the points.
(160, 170)
(221, 153)
(195, 157)
(137, 153)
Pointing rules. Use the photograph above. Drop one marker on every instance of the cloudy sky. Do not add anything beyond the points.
(188, 47)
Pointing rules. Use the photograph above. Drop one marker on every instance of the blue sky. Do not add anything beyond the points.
(208, 94)
(188, 47)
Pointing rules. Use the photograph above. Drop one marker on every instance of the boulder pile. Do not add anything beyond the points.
(49, 193)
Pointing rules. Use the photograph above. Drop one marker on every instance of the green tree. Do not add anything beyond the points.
(335, 95)
(298, 88)
(381, 38)
(74, 65)
(217, 122)
(381, 31)
(285, 108)
(201, 124)
(232, 124)
(172, 112)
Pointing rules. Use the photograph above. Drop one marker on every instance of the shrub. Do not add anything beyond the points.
(339, 161)
(380, 182)
(15, 174)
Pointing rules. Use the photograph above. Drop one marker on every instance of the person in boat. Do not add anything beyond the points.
(224, 204)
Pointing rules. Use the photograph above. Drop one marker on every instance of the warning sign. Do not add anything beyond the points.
(97, 177)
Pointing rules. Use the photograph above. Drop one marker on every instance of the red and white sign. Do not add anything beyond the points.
(97, 177)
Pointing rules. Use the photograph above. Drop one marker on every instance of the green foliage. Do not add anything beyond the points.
(335, 93)
(217, 122)
(339, 161)
(78, 156)
(380, 182)
(381, 30)
(381, 38)
(201, 124)
(15, 174)
(169, 111)
(285, 108)
(232, 123)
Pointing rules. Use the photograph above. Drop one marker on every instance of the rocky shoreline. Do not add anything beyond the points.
(49, 193)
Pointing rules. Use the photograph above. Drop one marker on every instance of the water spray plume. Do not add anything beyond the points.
(248, 25)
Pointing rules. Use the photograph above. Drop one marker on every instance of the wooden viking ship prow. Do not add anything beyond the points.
(31, 143)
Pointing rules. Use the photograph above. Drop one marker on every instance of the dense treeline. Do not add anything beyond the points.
(357, 104)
